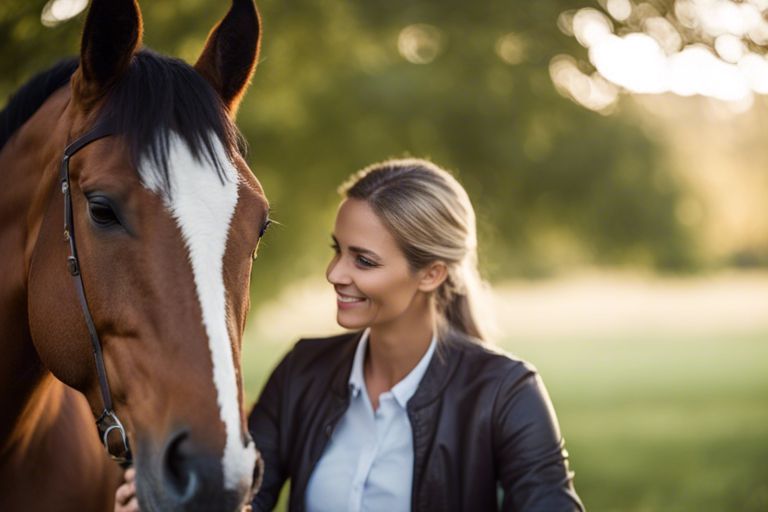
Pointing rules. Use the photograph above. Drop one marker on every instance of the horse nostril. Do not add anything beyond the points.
(179, 475)
(192, 478)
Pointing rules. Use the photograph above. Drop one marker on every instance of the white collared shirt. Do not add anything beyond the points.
(368, 462)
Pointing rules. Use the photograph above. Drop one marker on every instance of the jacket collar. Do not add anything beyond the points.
(403, 390)
(445, 360)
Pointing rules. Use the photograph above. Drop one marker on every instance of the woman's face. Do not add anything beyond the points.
(373, 282)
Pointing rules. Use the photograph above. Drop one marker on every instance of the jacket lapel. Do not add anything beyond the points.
(336, 403)
(424, 410)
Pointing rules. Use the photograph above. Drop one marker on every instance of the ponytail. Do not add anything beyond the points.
(457, 300)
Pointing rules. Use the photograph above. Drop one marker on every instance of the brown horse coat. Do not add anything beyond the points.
(169, 315)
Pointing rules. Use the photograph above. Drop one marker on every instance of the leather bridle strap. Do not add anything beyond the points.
(107, 422)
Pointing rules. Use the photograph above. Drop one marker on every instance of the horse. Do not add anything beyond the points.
(129, 221)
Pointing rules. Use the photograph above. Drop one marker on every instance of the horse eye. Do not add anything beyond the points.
(101, 212)
(264, 228)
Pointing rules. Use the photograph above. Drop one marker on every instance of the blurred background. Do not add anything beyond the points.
(615, 152)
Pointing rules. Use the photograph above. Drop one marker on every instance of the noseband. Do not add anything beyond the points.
(107, 423)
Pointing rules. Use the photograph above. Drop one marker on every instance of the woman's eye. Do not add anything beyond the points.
(102, 213)
(365, 262)
(335, 248)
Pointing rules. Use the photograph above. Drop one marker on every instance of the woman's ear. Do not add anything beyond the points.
(433, 276)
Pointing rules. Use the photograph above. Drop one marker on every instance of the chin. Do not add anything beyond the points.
(351, 324)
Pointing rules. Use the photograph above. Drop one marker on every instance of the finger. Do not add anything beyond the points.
(130, 474)
(121, 496)
(124, 493)
(132, 506)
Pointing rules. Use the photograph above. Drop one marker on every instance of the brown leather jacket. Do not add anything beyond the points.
(485, 436)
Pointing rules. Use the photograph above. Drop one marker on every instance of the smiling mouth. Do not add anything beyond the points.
(346, 299)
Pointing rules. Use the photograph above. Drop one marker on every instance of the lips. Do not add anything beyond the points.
(348, 300)
(345, 301)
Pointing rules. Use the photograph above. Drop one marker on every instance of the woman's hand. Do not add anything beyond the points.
(125, 497)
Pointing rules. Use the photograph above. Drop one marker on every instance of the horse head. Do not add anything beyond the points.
(167, 217)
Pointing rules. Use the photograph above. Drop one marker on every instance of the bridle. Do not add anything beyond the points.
(107, 423)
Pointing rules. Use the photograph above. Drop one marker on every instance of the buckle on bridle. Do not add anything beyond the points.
(72, 265)
(109, 425)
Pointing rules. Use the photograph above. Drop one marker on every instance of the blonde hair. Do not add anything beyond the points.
(431, 217)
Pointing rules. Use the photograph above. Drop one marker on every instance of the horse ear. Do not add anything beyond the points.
(231, 52)
(111, 35)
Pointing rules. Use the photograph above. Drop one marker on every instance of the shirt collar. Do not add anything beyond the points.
(356, 379)
(403, 390)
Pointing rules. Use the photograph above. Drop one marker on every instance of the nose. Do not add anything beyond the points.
(193, 479)
(336, 272)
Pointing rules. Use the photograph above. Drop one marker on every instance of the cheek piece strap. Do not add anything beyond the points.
(110, 429)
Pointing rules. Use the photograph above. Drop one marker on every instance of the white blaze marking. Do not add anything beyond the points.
(203, 209)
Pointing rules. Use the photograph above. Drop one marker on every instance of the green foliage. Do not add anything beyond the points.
(26, 46)
(539, 168)
(554, 185)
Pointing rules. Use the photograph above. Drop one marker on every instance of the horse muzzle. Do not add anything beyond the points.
(184, 477)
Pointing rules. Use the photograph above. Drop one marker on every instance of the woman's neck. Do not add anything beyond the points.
(395, 349)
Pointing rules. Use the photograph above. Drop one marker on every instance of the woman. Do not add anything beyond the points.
(410, 411)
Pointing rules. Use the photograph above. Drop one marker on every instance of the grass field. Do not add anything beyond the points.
(652, 421)
(663, 424)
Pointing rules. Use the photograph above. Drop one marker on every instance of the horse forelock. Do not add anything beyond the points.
(157, 96)
(159, 99)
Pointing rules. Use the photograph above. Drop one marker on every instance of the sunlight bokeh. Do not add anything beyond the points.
(419, 43)
(655, 59)
(59, 11)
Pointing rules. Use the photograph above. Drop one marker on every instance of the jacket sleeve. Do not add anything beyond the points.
(264, 424)
(531, 456)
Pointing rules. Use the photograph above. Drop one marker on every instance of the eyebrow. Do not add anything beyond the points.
(358, 250)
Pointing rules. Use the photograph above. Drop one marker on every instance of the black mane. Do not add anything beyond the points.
(157, 95)
(24, 103)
